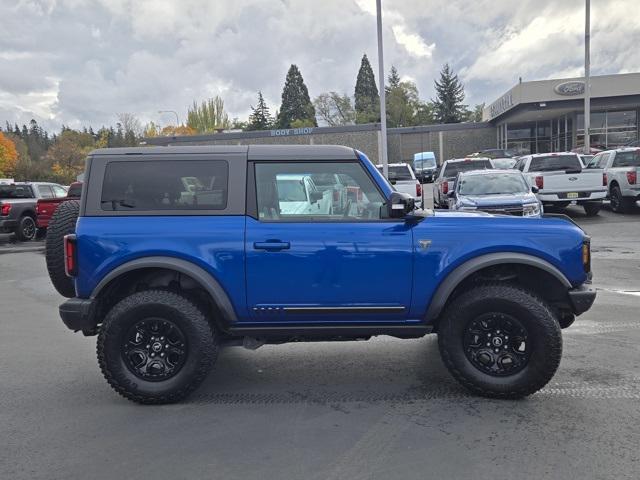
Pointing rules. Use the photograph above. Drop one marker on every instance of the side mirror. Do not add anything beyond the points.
(400, 205)
(451, 194)
(534, 189)
(392, 182)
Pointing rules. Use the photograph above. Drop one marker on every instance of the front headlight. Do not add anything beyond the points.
(532, 210)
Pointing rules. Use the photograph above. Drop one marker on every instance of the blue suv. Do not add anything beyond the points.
(178, 251)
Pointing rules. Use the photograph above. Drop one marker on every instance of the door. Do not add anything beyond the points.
(345, 263)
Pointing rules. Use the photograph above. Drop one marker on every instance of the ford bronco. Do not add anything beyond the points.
(178, 251)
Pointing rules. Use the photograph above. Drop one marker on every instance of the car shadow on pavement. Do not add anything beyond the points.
(383, 369)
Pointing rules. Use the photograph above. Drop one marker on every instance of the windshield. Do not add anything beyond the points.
(554, 163)
(627, 159)
(498, 153)
(492, 184)
(503, 162)
(425, 163)
(452, 169)
(16, 191)
(291, 190)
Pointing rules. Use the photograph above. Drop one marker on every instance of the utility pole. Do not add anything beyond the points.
(383, 105)
(587, 78)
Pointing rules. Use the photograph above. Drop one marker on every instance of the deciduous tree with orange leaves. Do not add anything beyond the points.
(8, 157)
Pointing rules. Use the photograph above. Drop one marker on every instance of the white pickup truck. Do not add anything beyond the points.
(561, 178)
(621, 169)
(403, 179)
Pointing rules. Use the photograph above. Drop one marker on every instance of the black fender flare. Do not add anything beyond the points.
(204, 278)
(454, 278)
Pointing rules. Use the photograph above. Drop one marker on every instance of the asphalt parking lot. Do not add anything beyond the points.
(385, 408)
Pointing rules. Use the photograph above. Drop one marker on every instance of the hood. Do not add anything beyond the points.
(515, 199)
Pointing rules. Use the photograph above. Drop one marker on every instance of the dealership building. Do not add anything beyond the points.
(548, 115)
(532, 117)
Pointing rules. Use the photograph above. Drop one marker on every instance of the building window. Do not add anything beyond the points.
(609, 129)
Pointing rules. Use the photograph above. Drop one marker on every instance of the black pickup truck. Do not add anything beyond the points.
(18, 206)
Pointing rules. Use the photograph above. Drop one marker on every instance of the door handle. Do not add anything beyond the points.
(271, 245)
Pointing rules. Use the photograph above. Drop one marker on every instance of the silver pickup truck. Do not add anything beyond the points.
(621, 169)
(561, 179)
(18, 206)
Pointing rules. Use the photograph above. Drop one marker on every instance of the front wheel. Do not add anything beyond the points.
(156, 347)
(500, 341)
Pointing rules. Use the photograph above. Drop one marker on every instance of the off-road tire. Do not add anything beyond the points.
(202, 346)
(619, 204)
(63, 222)
(530, 310)
(26, 229)
(592, 209)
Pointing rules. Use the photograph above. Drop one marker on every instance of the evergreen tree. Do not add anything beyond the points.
(450, 95)
(367, 100)
(296, 108)
(393, 79)
(260, 118)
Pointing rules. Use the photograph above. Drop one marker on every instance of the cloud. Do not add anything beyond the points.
(82, 62)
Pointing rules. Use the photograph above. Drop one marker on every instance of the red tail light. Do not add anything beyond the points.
(70, 255)
(5, 208)
(540, 182)
(632, 177)
(445, 187)
(605, 180)
(418, 190)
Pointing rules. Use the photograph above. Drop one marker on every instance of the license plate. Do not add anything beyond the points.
(572, 195)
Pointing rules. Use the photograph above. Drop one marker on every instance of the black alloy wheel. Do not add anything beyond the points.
(497, 344)
(26, 229)
(154, 349)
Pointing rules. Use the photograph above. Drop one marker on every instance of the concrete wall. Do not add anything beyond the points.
(446, 141)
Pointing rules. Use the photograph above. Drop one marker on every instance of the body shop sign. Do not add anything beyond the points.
(285, 132)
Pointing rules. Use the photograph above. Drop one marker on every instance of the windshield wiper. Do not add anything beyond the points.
(118, 203)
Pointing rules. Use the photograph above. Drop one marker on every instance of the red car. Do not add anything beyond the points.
(46, 206)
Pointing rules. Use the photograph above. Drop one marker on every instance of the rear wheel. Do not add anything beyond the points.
(619, 204)
(26, 230)
(63, 222)
(500, 341)
(156, 347)
(592, 209)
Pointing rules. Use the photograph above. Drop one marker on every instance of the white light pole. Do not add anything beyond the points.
(174, 112)
(587, 77)
(383, 106)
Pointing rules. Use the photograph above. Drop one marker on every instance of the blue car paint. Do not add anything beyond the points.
(454, 241)
(214, 243)
(330, 264)
(376, 263)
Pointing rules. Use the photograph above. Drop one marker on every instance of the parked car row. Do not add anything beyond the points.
(26, 207)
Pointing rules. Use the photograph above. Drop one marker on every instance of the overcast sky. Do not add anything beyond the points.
(81, 62)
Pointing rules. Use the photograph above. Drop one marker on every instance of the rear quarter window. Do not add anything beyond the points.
(157, 185)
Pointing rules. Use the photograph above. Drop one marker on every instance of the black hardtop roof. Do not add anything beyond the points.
(253, 152)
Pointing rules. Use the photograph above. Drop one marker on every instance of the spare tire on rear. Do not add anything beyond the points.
(63, 222)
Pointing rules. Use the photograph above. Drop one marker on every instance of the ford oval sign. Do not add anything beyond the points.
(569, 88)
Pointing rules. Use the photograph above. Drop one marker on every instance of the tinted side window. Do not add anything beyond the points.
(45, 191)
(165, 185)
(287, 191)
